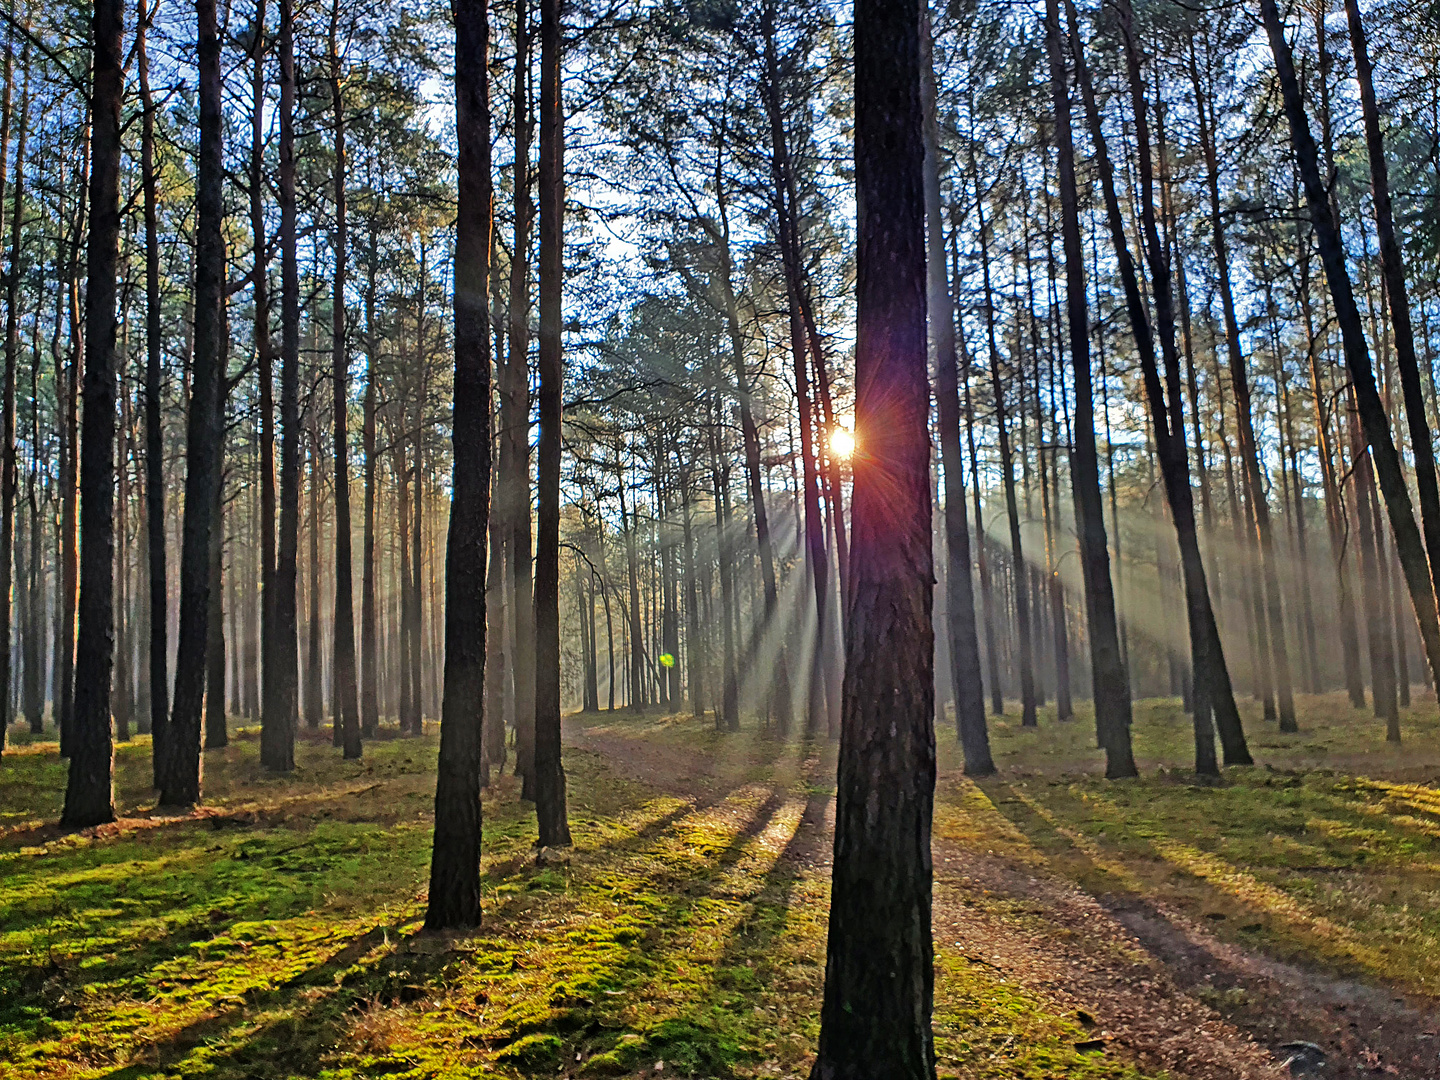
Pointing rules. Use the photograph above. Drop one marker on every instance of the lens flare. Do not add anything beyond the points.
(842, 442)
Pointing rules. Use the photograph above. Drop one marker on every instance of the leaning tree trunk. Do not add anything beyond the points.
(1392, 265)
(454, 899)
(969, 688)
(89, 795)
(1249, 450)
(554, 829)
(1212, 680)
(1384, 456)
(879, 971)
(1110, 682)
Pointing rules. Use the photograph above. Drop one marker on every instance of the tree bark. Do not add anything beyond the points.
(346, 696)
(454, 898)
(369, 630)
(969, 689)
(180, 782)
(1109, 679)
(515, 421)
(8, 463)
(89, 795)
(550, 813)
(154, 426)
(879, 972)
(278, 751)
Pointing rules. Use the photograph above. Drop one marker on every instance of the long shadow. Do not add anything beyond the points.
(295, 1045)
(1274, 1002)
(300, 1057)
(765, 920)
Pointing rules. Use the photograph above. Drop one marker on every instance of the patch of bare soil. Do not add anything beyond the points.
(1155, 987)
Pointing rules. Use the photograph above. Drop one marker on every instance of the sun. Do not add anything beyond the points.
(842, 442)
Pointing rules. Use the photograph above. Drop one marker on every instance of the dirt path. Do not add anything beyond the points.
(1160, 989)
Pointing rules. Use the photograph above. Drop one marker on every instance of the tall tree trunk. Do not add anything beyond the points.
(1109, 680)
(817, 709)
(454, 898)
(35, 626)
(778, 700)
(282, 699)
(695, 653)
(497, 634)
(314, 682)
(215, 709)
(369, 644)
(416, 722)
(346, 697)
(515, 421)
(1385, 457)
(1392, 265)
(965, 674)
(727, 717)
(154, 425)
(554, 827)
(70, 470)
(879, 972)
(1212, 679)
(180, 782)
(8, 463)
(1372, 585)
(406, 685)
(1026, 659)
(1249, 450)
(89, 795)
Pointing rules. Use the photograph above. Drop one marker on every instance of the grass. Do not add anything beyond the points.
(1326, 852)
(276, 932)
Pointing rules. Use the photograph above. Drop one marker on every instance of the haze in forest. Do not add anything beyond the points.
(731, 540)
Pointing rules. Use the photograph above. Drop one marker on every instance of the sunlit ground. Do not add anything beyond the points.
(275, 934)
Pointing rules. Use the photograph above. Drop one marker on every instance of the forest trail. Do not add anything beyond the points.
(1139, 975)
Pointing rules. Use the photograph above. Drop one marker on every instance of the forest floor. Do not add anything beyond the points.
(1083, 928)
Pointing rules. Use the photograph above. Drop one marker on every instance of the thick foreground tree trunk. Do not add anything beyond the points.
(879, 971)
(89, 794)
(455, 859)
(180, 778)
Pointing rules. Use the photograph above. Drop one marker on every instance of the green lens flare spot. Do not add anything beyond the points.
(666, 660)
